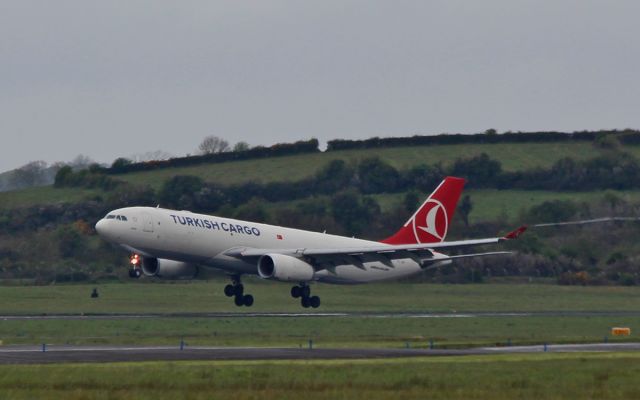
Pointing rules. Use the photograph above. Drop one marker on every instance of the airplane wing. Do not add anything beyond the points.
(423, 252)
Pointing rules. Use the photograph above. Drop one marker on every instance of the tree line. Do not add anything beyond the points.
(617, 170)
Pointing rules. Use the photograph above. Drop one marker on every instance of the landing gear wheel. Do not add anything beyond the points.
(296, 292)
(314, 301)
(236, 290)
(306, 291)
(247, 300)
(305, 302)
(135, 273)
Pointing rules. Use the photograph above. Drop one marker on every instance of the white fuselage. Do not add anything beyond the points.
(204, 239)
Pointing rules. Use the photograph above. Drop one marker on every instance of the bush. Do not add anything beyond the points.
(553, 211)
(179, 191)
(376, 176)
(353, 212)
(71, 243)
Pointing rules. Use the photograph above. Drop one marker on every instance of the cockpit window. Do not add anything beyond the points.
(117, 217)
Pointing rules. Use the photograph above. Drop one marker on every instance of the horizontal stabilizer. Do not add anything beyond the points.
(450, 258)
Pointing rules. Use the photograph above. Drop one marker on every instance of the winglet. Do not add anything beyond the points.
(515, 234)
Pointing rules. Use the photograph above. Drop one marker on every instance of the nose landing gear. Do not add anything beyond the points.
(135, 271)
(236, 290)
(304, 293)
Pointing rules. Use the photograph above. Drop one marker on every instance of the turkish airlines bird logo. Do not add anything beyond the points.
(436, 222)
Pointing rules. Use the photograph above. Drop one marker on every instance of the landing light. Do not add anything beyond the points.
(135, 259)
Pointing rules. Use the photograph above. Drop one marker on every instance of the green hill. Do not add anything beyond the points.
(514, 157)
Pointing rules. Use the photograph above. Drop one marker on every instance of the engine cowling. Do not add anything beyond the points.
(284, 268)
(168, 269)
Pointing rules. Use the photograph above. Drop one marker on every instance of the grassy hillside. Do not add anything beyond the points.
(513, 157)
(44, 195)
(487, 204)
(291, 168)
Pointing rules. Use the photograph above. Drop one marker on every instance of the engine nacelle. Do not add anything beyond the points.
(168, 269)
(284, 268)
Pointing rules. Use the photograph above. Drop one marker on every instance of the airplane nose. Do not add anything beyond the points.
(100, 227)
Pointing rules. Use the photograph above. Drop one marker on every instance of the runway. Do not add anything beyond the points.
(99, 354)
(475, 314)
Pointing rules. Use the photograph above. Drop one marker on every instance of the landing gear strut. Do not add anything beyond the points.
(304, 293)
(135, 273)
(236, 290)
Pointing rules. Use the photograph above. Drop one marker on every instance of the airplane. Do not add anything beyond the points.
(183, 245)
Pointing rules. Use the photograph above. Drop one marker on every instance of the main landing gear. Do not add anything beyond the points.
(236, 290)
(304, 293)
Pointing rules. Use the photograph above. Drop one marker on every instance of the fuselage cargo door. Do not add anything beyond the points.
(147, 222)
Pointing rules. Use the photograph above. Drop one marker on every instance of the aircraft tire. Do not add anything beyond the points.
(306, 291)
(296, 292)
(305, 302)
(229, 291)
(314, 301)
(238, 290)
(247, 300)
(239, 301)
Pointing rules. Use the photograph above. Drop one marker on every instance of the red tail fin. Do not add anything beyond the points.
(430, 223)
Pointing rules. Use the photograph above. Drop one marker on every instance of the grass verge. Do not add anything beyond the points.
(394, 330)
(547, 376)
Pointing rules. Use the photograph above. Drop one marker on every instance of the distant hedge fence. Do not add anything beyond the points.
(625, 137)
(628, 136)
(280, 149)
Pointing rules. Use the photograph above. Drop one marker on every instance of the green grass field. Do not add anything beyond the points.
(327, 332)
(540, 376)
(200, 296)
(364, 331)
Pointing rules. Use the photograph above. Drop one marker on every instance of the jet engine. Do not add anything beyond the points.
(168, 269)
(284, 268)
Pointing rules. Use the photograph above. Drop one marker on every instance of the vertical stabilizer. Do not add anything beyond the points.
(431, 222)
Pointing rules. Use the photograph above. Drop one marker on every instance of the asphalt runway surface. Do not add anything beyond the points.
(99, 354)
(479, 314)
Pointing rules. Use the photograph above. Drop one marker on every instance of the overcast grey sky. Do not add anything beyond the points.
(115, 78)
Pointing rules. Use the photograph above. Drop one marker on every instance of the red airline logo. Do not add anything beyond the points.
(431, 223)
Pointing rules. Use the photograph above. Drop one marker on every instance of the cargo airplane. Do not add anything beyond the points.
(181, 244)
